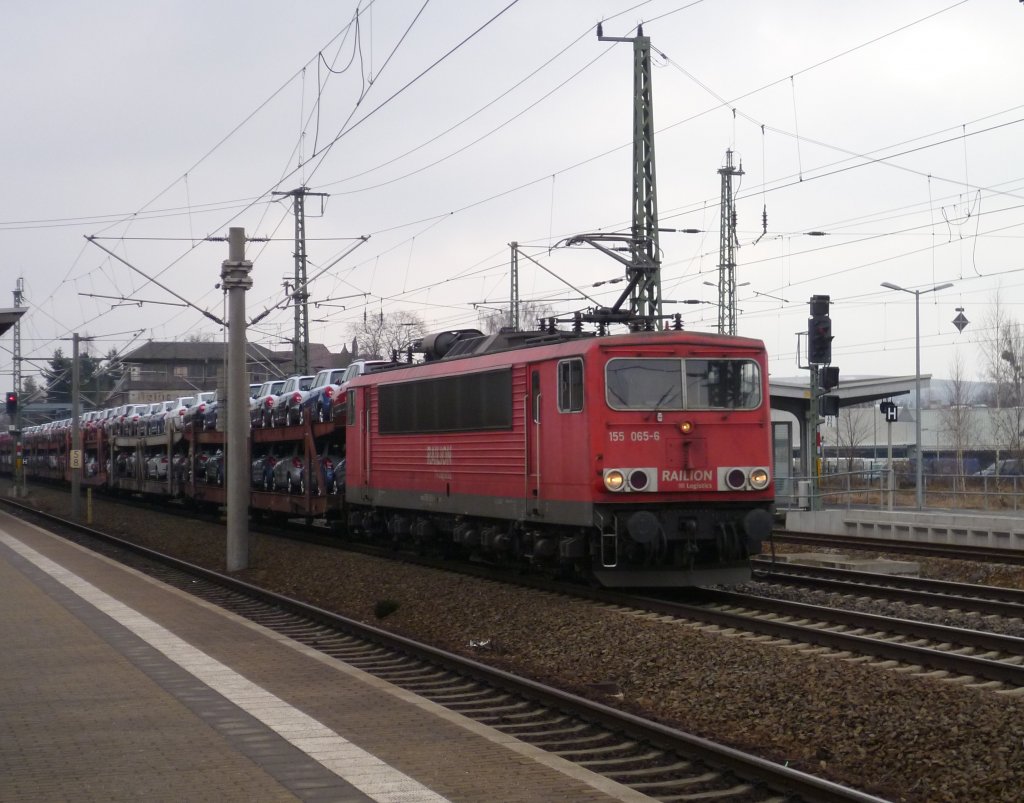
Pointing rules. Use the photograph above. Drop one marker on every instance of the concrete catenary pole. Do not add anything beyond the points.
(75, 458)
(19, 471)
(235, 279)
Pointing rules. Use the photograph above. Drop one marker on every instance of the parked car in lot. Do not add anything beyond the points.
(259, 407)
(1010, 467)
(286, 409)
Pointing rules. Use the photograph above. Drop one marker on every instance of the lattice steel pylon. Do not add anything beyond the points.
(19, 290)
(643, 268)
(300, 293)
(728, 243)
(513, 304)
(646, 295)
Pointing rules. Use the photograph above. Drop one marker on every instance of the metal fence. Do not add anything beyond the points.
(875, 488)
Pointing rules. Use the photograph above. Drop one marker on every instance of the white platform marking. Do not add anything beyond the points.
(363, 770)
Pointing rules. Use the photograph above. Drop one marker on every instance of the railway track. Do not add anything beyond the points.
(984, 600)
(661, 762)
(950, 551)
(986, 660)
(961, 655)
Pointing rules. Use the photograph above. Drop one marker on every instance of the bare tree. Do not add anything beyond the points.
(381, 336)
(853, 427)
(957, 418)
(530, 313)
(1003, 362)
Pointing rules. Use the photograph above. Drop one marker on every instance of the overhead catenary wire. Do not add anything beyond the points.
(551, 226)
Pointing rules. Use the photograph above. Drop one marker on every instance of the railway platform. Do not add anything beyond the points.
(114, 686)
(993, 530)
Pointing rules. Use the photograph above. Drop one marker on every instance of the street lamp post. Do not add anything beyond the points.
(917, 377)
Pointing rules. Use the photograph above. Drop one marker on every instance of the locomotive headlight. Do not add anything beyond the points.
(759, 478)
(686, 427)
(736, 478)
(614, 480)
(638, 479)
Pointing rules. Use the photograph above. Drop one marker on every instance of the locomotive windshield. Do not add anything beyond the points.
(682, 384)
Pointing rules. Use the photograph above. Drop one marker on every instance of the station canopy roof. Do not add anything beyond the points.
(9, 316)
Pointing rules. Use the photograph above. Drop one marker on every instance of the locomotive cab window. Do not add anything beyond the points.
(570, 386)
(644, 384)
(722, 384)
(676, 384)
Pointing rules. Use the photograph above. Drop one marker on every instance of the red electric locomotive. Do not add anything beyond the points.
(636, 460)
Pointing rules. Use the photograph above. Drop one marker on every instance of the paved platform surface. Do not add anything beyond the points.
(115, 687)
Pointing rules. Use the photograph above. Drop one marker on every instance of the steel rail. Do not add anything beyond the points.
(753, 768)
(915, 590)
(891, 545)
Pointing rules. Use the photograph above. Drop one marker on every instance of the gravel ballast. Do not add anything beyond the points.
(892, 734)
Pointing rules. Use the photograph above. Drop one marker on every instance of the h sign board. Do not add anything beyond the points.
(889, 410)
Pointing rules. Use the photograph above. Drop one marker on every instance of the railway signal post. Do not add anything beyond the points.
(824, 377)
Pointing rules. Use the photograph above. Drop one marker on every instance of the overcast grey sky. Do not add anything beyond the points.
(444, 130)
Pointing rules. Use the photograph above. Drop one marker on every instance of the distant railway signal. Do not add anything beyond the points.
(828, 406)
(12, 402)
(829, 377)
(819, 332)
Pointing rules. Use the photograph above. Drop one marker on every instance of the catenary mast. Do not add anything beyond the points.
(643, 268)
